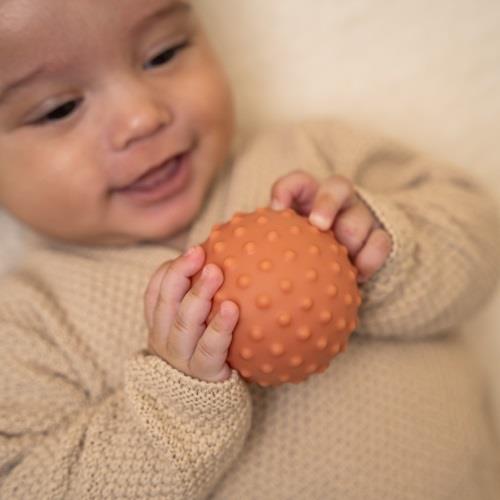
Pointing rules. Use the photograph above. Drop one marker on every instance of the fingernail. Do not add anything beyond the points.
(206, 272)
(319, 220)
(277, 205)
(192, 251)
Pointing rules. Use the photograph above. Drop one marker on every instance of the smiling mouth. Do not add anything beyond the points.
(164, 182)
(155, 176)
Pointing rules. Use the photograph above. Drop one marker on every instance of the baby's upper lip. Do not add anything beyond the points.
(146, 172)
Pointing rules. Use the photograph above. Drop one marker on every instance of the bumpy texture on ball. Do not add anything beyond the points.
(296, 290)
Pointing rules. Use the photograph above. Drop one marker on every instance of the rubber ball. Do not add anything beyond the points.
(296, 290)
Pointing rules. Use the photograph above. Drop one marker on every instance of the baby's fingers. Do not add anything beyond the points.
(153, 292)
(209, 358)
(373, 255)
(189, 322)
(353, 227)
(295, 190)
(174, 286)
(335, 194)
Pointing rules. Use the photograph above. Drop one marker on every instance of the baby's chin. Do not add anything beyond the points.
(174, 233)
(168, 237)
(167, 233)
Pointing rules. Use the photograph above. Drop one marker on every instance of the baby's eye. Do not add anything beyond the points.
(59, 113)
(165, 56)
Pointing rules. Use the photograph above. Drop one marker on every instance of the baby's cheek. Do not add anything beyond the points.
(211, 91)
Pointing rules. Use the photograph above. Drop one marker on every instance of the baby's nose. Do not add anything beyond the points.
(137, 113)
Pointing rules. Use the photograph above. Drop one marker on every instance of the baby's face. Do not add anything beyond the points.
(99, 101)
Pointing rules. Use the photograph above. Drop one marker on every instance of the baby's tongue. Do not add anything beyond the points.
(156, 176)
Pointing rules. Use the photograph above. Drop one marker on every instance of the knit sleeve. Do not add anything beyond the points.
(162, 434)
(444, 227)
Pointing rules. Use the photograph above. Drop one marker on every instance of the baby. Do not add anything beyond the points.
(118, 150)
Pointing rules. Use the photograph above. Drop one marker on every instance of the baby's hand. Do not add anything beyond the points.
(176, 314)
(335, 205)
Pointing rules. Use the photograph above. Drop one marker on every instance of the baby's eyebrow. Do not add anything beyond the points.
(22, 81)
(173, 7)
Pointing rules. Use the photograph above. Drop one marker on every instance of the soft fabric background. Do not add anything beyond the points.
(425, 72)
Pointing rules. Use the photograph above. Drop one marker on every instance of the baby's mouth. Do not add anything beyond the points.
(155, 176)
(160, 183)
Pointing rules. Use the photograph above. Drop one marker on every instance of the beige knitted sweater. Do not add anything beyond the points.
(86, 413)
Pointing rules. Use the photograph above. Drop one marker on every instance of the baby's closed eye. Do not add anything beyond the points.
(67, 108)
(166, 55)
(60, 112)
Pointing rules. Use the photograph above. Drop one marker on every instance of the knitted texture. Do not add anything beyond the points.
(86, 413)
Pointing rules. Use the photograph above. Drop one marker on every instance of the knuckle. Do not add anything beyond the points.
(279, 183)
(180, 322)
(165, 266)
(338, 189)
(219, 334)
(164, 297)
(168, 279)
(324, 197)
(374, 256)
(205, 351)
(177, 265)
(169, 289)
(204, 288)
(294, 175)
(347, 229)
(382, 241)
(198, 296)
(217, 326)
(195, 293)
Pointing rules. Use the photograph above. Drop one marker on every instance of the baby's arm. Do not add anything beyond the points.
(444, 228)
(62, 435)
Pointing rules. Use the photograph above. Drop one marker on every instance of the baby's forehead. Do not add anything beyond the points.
(34, 19)
(29, 34)
(33, 30)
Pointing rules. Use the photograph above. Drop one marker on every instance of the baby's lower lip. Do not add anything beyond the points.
(159, 175)
(166, 182)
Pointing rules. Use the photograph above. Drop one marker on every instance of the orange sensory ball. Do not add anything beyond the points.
(295, 287)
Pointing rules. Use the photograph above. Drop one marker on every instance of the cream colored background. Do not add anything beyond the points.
(424, 71)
